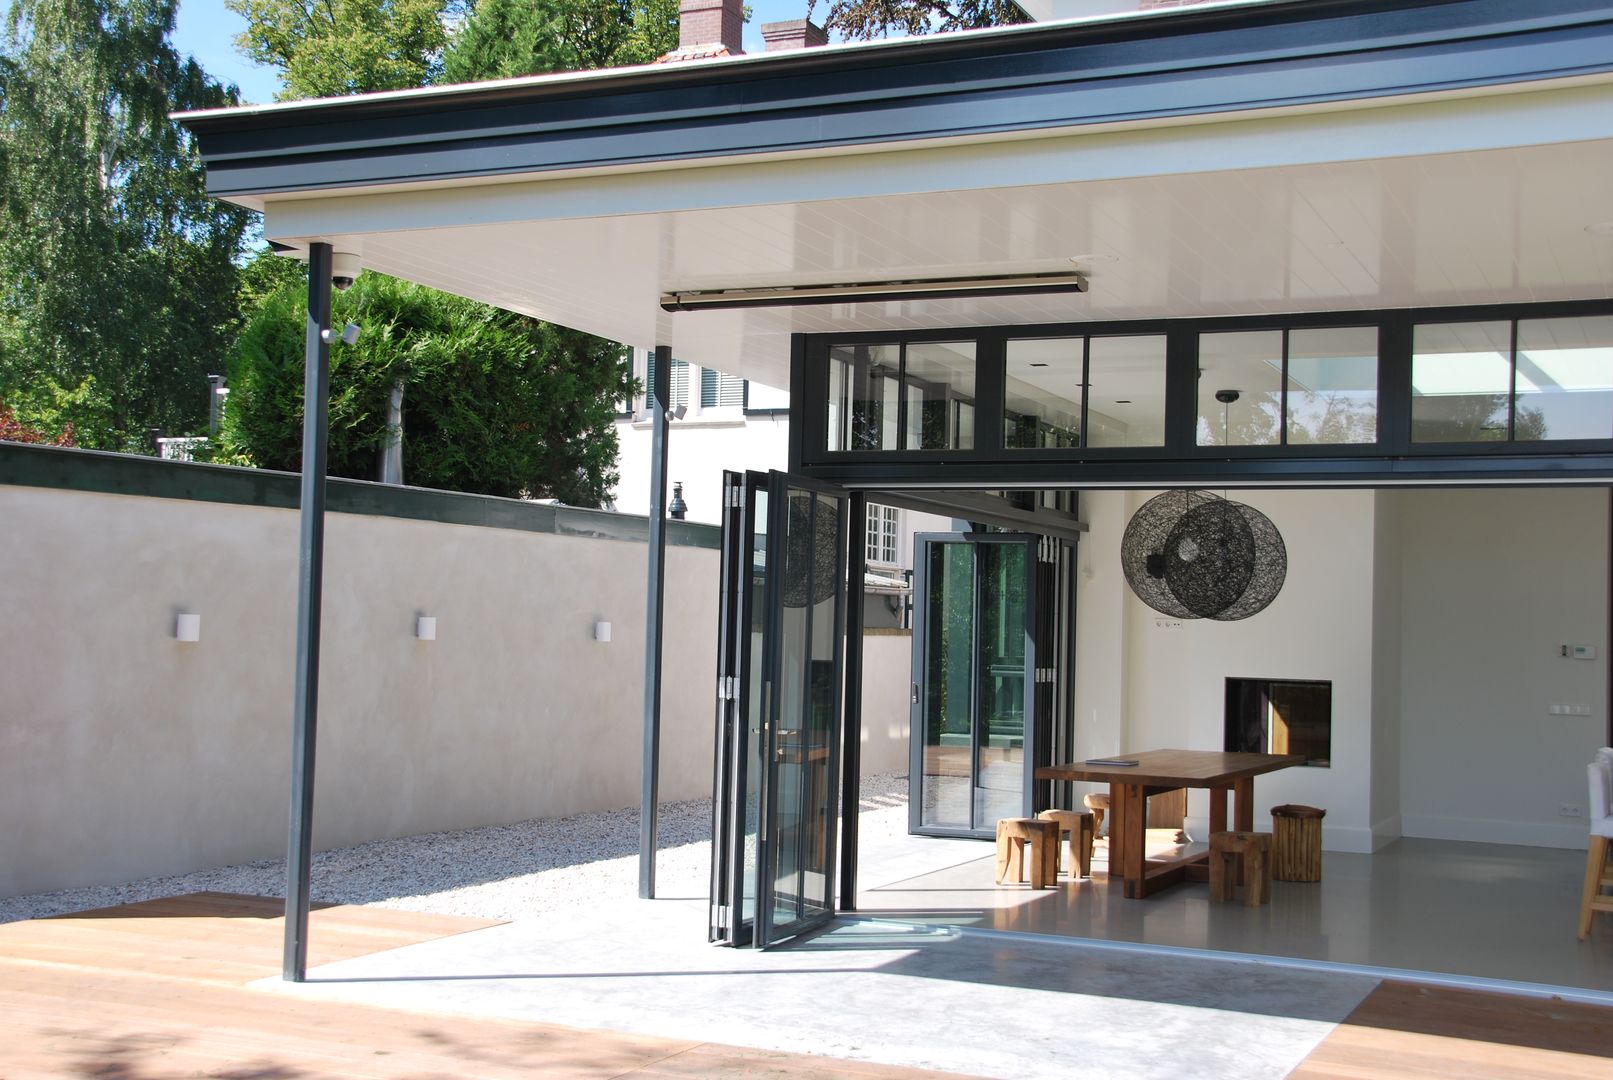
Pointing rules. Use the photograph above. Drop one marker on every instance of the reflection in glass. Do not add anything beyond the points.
(1042, 393)
(804, 725)
(940, 378)
(1240, 388)
(949, 672)
(1001, 611)
(1126, 392)
(1333, 385)
(1461, 381)
(1565, 379)
(863, 395)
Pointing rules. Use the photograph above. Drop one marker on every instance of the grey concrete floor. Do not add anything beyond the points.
(1481, 911)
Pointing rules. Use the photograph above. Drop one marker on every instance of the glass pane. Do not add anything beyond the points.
(948, 615)
(939, 375)
(1565, 379)
(1240, 388)
(804, 727)
(1126, 391)
(1042, 393)
(755, 708)
(1461, 381)
(1001, 613)
(862, 397)
(1333, 385)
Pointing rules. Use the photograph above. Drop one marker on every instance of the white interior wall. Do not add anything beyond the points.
(1165, 679)
(1387, 654)
(1494, 583)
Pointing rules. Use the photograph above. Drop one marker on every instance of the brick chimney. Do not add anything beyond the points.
(703, 24)
(795, 34)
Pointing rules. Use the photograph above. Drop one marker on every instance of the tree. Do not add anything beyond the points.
(329, 48)
(13, 431)
(503, 39)
(117, 279)
(864, 20)
(494, 402)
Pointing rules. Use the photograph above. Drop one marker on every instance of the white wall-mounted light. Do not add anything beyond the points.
(602, 631)
(425, 627)
(188, 626)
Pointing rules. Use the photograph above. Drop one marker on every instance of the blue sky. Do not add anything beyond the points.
(207, 31)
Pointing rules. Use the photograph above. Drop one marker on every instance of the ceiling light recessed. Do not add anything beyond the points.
(1035, 364)
(1095, 257)
(1122, 401)
(1601, 228)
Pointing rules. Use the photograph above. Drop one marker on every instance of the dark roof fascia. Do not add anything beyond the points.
(1215, 60)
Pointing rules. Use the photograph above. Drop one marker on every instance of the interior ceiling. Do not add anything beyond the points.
(1494, 226)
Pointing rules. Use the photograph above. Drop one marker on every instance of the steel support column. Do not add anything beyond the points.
(851, 776)
(658, 394)
(310, 574)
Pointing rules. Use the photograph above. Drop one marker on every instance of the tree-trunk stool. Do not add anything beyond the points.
(1296, 843)
(1249, 850)
(1099, 805)
(1078, 823)
(1043, 836)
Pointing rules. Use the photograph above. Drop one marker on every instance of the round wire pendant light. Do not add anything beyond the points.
(1193, 555)
(811, 548)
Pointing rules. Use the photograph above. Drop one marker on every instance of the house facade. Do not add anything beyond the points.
(1349, 262)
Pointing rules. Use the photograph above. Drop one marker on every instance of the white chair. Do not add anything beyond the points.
(1598, 866)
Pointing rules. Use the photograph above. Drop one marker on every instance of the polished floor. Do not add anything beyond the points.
(1498, 913)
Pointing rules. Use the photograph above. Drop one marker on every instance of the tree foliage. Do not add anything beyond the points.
(13, 430)
(329, 48)
(493, 402)
(864, 20)
(503, 39)
(117, 280)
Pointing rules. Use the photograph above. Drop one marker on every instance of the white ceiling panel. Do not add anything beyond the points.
(1478, 227)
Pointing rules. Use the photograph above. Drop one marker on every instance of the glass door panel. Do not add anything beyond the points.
(1003, 629)
(778, 719)
(973, 660)
(808, 609)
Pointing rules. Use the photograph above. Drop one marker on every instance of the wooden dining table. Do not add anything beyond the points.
(1159, 771)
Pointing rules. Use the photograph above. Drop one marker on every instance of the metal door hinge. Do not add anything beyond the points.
(736, 497)
(727, 687)
(915, 693)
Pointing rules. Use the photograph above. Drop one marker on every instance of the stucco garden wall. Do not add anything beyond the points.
(125, 753)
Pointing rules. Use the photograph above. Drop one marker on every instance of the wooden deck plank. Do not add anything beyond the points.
(1408, 1030)
(156, 991)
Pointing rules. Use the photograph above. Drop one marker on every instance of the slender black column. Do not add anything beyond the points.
(851, 777)
(310, 576)
(659, 392)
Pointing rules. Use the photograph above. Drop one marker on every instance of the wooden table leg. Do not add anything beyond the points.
(1135, 824)
(1243, 804)
(1218, 811)
(1117, 831)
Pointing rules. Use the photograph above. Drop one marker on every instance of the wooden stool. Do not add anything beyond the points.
(1598, 876)
(1099, 805)
(1043, 836)
(1296, 843)
(1251, 851)
(1078, 823)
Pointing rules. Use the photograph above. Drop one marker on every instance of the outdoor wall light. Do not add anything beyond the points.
(187, 626)
(349, 335)
(425, 627)
(875, 291)
(602, 631)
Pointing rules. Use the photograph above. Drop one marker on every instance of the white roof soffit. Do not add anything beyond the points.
(1480, 194)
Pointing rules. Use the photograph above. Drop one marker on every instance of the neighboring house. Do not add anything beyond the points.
(1350, 261)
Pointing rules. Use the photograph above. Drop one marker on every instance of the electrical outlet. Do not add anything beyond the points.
(1570, 810)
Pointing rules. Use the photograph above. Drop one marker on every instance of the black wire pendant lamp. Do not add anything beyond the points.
(1194, 555)
(811, 548)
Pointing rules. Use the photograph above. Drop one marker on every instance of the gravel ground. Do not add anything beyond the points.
(501, 872)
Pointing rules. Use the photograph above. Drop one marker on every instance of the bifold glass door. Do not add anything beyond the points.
(779, 658)
(974, 664)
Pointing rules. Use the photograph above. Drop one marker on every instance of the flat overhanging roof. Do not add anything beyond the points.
(1335, 154)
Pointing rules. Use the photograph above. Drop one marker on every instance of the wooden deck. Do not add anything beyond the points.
(157, 990)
